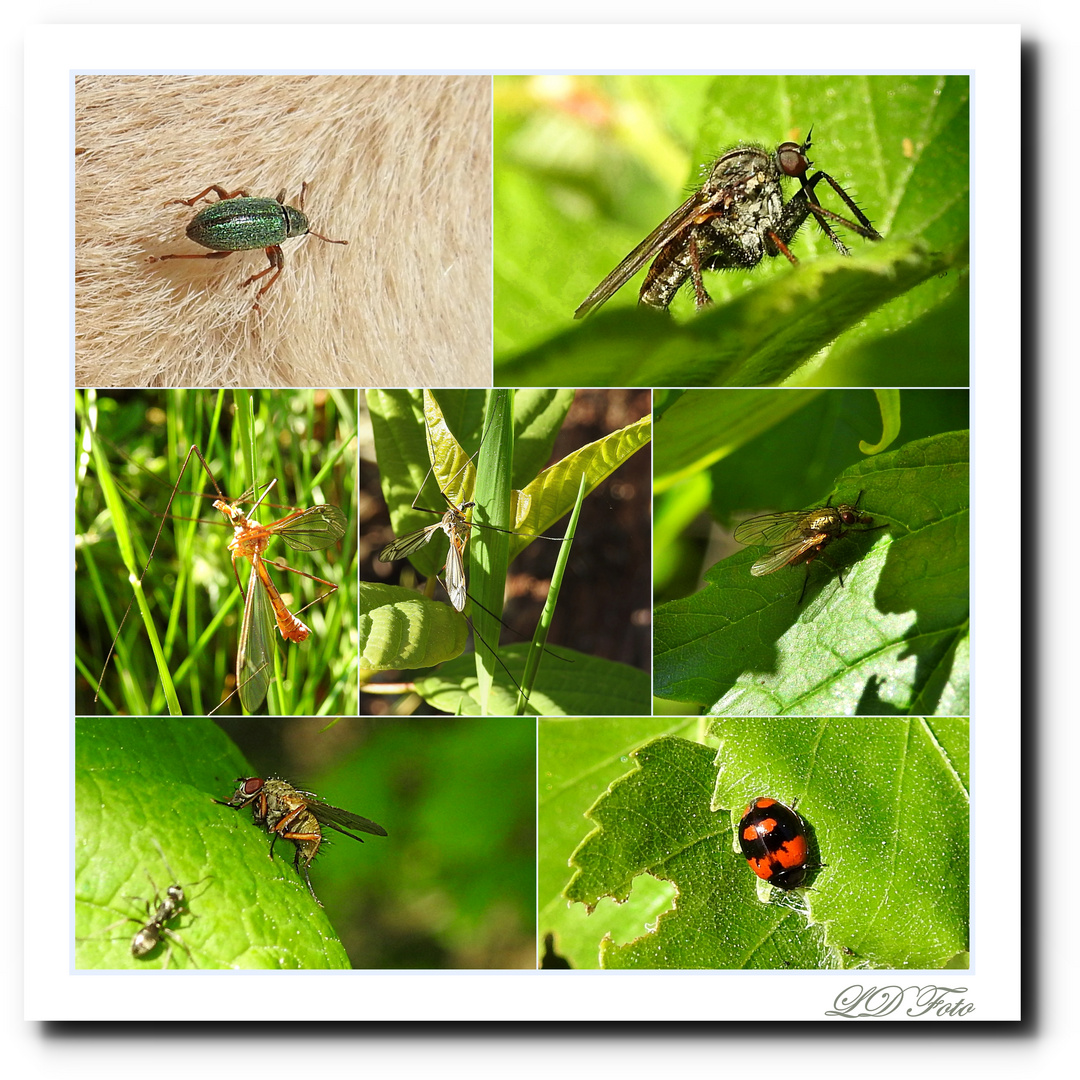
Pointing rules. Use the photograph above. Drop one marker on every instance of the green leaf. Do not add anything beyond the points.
(578, 759)
(141, 781)
(892, 638)
(703, 427)
(401, 628)
(896, 313)
(577, 684)
(886, 804)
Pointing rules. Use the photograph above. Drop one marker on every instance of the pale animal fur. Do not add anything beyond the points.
(400, 166)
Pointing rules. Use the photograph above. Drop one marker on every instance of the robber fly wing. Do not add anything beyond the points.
(770, 529)
(336, 818)
(316, 528)
(403, 546)
(643, 253)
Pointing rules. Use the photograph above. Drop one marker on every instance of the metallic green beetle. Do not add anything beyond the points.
(238, 222)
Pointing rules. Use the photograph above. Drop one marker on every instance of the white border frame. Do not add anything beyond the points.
(990, 54)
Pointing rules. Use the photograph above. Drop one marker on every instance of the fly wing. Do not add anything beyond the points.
(455, 566)
(314, 529)
(644, 252)
(770, 529)
(403, 546)
(256, 641)
(336, 818)
(784, 555)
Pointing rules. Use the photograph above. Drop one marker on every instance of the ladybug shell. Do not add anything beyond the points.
(773, 839)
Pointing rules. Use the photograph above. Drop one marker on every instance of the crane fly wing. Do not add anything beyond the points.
(403, 546)
(455, 565)
(644, 252)
(314, 528)
(256, 641)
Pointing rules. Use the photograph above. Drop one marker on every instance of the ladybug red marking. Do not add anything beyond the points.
(773, 839)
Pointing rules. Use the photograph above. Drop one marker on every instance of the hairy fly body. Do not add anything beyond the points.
(736, 218)
(291, 814)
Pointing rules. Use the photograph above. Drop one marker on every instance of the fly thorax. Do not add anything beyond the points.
(821, 521)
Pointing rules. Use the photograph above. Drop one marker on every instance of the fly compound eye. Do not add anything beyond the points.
(252, 785)
(792, 159)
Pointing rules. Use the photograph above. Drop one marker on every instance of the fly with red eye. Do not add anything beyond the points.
(292, 814)
(736, 218)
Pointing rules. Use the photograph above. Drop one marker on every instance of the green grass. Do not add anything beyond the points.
(177, 649)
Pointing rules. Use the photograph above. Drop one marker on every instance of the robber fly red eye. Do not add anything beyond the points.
(792, 158)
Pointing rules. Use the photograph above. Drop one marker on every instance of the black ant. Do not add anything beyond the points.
(158, 914)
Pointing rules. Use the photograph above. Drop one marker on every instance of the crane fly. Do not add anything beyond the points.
(308, 529)
(800, 536)
(456, 526)
(453, 522)
(303, 530)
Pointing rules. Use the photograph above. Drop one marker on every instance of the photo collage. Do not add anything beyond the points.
(541, 503)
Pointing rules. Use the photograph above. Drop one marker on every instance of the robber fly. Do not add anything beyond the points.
(295, 815)
(731, 222)
(799, 536)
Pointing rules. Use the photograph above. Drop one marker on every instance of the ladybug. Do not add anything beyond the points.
(773, 839)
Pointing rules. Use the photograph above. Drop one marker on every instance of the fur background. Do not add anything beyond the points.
(400, 166)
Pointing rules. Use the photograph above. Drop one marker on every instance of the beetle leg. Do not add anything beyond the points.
(208, 255)
(222, 194)
(277, 262)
